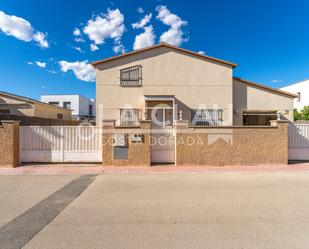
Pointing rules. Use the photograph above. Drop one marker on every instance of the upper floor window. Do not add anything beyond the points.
(53, 103)
(4, 111)
(131, 76)
(90, 110)
(59, 115)
(67, 105)
(298, 99)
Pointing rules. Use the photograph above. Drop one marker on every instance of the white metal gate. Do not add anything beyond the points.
(299, 142)
(60, 144)
(162, 145)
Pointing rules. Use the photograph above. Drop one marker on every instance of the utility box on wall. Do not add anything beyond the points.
(120, 139)
(137, 138)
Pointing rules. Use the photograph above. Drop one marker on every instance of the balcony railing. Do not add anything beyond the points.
(207, 117)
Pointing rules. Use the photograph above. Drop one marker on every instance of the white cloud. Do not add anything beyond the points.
(276, 81)
(78, 35)
(93, 47)
(145, 39)
(79, 39)
(40, 64)
(41, 39)
(140, 10)
(81, 69)
(78, 49)
(21, 29)
(106, 26)
(201, 52)
(143, 22)
(76, 32)
(119, 49)
(174, 35)
(30, 63)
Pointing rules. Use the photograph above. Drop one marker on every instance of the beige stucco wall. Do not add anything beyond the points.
(9, 146)
(50, 111)
(19, 107)
(193, 81)
(248, 97)
(232, 145)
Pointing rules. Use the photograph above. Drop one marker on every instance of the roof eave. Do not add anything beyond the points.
(266, 87)
(162, 44)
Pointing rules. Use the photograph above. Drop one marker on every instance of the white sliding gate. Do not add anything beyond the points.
(60, 144)
(299, 142)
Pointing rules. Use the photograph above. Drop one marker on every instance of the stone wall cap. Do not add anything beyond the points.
(145, 121)
(233, 127)
(280, 121)
(10, 121)
(127, 126)
(109, 120)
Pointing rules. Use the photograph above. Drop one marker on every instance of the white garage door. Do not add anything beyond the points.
(60, 144)
(299, 142)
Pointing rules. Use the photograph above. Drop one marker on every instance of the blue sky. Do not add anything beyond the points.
(38, 50)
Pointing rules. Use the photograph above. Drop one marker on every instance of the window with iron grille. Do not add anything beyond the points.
(4, 111)
(207, 117)
(131, 76)
(129, 117)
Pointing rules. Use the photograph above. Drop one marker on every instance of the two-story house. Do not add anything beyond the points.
(181, 84)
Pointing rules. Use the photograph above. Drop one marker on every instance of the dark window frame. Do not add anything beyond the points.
(131, 76)
(54, 103)
(6, 112)
(90, 110)
(67, 102)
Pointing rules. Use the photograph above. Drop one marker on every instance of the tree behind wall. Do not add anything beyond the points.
(302, 114)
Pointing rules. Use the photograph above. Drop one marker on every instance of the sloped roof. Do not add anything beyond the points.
(266, 87)
(162, 44)
(26, 99)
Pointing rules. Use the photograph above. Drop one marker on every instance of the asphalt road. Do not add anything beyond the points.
(204, 210)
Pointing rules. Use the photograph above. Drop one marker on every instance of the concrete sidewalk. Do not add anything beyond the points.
(83, 169)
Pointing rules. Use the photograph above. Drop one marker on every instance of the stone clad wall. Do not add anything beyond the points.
(9, 145)
(138, 153)
(232, 145)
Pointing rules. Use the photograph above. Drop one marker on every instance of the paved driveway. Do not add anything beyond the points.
(201, 210)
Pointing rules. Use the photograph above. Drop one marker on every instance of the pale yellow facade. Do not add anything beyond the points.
(253, 98)
(50, 111)
(194, 82)
(20, 106)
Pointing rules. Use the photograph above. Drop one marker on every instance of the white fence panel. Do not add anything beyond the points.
(299, 142)
(61, 144)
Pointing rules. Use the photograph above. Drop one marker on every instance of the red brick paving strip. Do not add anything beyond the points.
(85, 170)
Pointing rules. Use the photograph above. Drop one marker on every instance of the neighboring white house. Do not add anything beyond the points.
(302, 89)
(83, 108)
